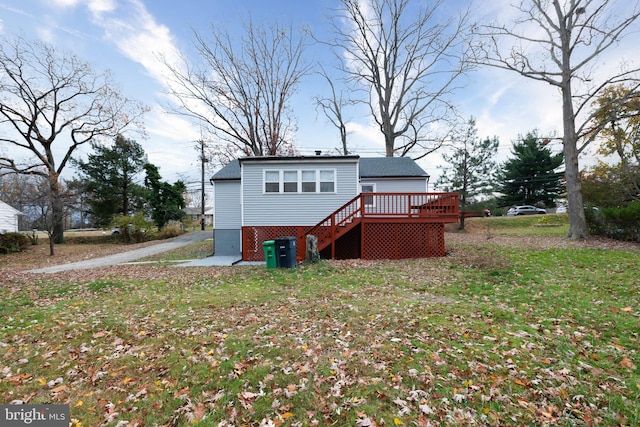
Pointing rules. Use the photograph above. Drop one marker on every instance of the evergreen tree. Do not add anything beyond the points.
(110, 177)
(530, 177)
(166, 200)
(471, 165)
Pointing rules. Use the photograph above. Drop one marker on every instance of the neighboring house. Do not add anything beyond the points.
(369, 208)
(8, 218)
(195, 214)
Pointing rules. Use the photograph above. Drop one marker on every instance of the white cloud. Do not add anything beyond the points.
(100, 6)
(95, 6)
(136, 34)
(365, 135)
(64, 3)
(170, 126)
(46, 34)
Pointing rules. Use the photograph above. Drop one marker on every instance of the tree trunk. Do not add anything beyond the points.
(577, 220)
(52, 250)
(389, 142)
(312, 249)
(57, 210)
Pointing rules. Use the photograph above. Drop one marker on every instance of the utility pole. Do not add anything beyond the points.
(203, 160)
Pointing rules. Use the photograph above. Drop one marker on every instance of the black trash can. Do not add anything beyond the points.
(286, 251)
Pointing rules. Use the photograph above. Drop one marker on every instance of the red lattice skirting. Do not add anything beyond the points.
(377, 240)
(399, 240)
(252, 238)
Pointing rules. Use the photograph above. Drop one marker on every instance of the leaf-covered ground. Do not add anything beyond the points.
(503, 331)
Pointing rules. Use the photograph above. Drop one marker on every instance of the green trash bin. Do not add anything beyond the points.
(269, 247)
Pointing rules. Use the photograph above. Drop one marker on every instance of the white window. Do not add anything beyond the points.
(327, 181)
(308, 181)
(272, 181)
(368, 188)
(290, 181)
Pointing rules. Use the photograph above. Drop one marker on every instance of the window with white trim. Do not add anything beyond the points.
(308, 181)
(272, 181)
(327, 181)
(300, 181)
(368, 188)
(290, 181)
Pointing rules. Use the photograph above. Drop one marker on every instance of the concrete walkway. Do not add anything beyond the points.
(130, 256)
(219, 261)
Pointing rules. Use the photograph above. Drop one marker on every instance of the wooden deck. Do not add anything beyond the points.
(370, 226)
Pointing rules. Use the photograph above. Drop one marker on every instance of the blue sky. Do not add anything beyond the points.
(125, 36)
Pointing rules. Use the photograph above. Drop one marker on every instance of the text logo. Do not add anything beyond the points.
(34, 415)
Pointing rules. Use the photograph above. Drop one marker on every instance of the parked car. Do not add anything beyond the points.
(525, 210)
(562, 209)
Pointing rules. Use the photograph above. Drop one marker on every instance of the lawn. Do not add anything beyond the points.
(510, 328)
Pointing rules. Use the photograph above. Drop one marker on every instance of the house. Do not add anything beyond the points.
(8, 218)
(195, 215)
(370, 208)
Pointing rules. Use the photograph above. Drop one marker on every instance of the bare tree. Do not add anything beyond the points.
(559, 42)
(408, 62)
(25, 193)
(46, 96)
(41, 206)
(242, 89)
(333, 109)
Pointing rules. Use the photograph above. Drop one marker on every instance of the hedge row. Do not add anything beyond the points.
(616, 223)
(13, 242)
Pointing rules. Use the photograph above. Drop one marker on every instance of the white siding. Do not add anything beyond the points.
(398, 185)
(262, 208)
(8, 218)
(227, 205)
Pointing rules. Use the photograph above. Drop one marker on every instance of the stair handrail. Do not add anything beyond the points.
(332, 218)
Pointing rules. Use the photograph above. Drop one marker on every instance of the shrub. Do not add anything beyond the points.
(13, 242)
(617, 223)
(171, 229)
(133, 228)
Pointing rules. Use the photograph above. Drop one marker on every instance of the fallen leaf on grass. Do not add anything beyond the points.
(365, 422)
(198, 413)
(549, 412)
(627, 363)
(19, 379)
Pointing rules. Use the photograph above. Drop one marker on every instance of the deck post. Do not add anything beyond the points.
(333, 236)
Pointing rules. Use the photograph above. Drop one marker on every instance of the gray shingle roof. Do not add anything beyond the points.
(230, 171)
(370, 167)
(390, 167)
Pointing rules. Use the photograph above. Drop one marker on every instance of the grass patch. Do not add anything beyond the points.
(528, 225)
(489, 335)
(197, 250)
